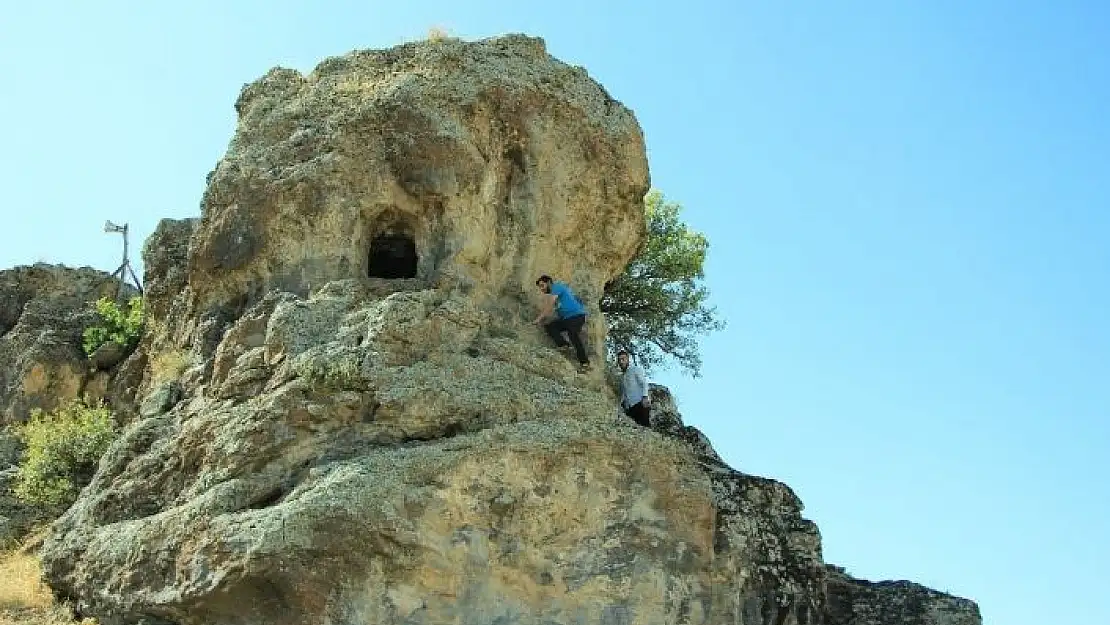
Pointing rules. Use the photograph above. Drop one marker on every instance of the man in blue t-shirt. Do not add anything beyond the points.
(570, 316)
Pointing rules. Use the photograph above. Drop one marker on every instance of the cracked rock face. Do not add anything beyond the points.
(316, 444)
(859, 602)
(356, 457)
(489, 162)
(352, 458)
(44, 309)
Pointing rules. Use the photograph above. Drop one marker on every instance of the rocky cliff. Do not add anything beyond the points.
(469, 166)
(43, 311)
(344, 416)
(860, 602)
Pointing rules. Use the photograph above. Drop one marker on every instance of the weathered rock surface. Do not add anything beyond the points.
(43, 311)
(312, 444)
(17, 518)
(495, 161)
(858, 602)
(10, 510)
(354, 458)
(10, 449)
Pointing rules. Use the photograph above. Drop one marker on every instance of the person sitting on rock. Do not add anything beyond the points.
(570, 317)
(635, 398)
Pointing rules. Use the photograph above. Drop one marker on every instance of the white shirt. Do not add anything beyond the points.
(634, 386)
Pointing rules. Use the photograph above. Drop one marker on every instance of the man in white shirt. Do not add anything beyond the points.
(635, 399)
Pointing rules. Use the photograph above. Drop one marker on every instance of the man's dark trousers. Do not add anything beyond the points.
(640, 413)
(573, 327)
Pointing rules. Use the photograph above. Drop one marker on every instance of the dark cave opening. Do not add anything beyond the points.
(392, 256)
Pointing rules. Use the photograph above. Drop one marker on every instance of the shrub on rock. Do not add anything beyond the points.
(121, 326)
(62, 451)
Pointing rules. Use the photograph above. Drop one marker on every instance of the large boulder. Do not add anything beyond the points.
(44, 309)
(344, 416)
(353, 458)
(471, 165)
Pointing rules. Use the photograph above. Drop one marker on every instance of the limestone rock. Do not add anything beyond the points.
(158, 363)
(17, 518)
(337, 466)
(165, 256)
(108, 355)
(397, 459)
(122, 384)
(666, 418)
(472, 165)
(11, 448)
(316, 444)
(10, 528)
(860, 602)
(44, 309)
(161, 400)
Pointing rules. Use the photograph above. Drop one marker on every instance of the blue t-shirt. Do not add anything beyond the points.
(566, 304)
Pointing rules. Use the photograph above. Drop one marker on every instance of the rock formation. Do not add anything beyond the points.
(345, 416)
(858, 602)
(476, 167)
(15, 517)
(44, 309)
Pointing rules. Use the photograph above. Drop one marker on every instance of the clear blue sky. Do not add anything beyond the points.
(908, 205)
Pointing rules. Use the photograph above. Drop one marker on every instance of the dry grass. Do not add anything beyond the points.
(20, 583)
(168, 366)
(24, 599)
(435, 33)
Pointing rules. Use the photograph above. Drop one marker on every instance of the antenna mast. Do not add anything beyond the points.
(124, 270)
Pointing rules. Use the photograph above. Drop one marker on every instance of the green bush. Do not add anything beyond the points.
(119, 325)
(62, 452)
(659, 306)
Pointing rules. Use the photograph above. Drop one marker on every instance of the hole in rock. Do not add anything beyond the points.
(392, 256)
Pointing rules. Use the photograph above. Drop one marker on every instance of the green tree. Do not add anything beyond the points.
(119, 325)
(658, 307)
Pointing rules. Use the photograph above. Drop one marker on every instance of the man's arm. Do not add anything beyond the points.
(547, 306)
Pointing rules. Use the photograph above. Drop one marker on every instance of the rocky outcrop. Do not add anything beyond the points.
(15, 517)
(326, 434)
(398, 459)
(472, 166)
(44, 309)
(858, 602)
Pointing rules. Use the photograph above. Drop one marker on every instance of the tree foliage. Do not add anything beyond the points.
(62, 451)
(658, 307)
(119, 325)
